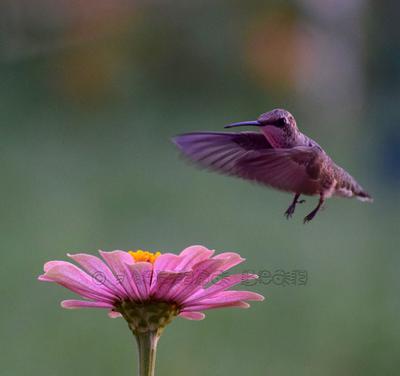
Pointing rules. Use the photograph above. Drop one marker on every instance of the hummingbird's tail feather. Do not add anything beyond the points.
(348, 186)
(360, 193)
(364, 196)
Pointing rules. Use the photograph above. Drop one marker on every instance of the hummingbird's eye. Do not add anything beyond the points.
(280, 122)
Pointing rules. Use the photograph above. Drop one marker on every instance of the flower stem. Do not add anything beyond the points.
(147, 344)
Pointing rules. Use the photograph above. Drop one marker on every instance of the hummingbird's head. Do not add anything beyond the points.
(278, 126)
(278, 118)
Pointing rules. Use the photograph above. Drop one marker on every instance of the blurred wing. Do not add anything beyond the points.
(248, 155)
(220, 151)
(295, 170)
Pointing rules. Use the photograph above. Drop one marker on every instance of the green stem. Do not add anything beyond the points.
(147, 344)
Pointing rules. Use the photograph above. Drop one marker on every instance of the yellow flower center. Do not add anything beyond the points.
(145, 256)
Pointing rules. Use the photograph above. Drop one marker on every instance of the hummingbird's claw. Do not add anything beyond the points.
(290, 211)
(308, 217)
(311, 215)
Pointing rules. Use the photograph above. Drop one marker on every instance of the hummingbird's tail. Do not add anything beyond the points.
(363, 196)
(360, 193)
(348, 186)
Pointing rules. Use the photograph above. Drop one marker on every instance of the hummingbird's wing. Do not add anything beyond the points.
(219, 150)
(295, 170)
(249, 155)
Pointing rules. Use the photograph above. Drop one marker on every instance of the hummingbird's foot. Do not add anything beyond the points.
(290, 210)
(311, 215)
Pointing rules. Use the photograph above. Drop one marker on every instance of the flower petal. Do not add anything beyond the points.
(193, 255)
(192, 315)
(167, 262)
(113, 314)
(202, 273)
(73, 304)
(118, 261)
(70, 276)
(164, 283)
(221, 285)
(230, 259)
(228, 297)
(141, 274)
(99, 272)
(204, 307)
(43, 278)
(49, 264)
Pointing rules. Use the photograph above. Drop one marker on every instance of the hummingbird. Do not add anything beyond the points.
(279, 156)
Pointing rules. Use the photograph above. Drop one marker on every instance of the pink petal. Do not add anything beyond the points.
(49, 264)
(100, 272)
(73, 304)
(113, 314)
(202, 273)
(167, 262)
(43, 278)
(204, 307)
(74, 279)
(141, 273)
(192, 315)
(221, 285)
(118, 261)
(164, 283)
(230, 259)
(228, 297)
(193, 255)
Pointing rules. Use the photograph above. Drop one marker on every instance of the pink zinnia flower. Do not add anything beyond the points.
(138, 278)
(150, 289)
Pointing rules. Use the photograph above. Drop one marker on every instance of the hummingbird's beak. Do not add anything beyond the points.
(253, 123)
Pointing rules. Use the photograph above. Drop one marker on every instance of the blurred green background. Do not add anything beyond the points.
(91, 93)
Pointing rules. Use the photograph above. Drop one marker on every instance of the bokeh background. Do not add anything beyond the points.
(91, 93)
